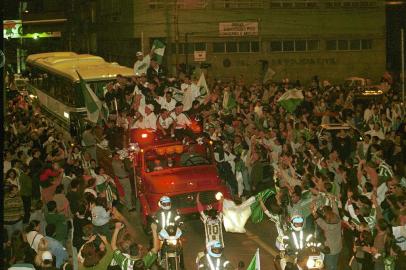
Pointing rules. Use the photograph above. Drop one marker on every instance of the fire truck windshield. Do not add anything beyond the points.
(177, 156)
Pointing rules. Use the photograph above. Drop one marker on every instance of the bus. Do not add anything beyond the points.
(56, 84)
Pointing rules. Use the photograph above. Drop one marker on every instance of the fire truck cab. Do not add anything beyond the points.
(168, 167)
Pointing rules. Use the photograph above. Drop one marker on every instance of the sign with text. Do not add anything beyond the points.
(238, 29)
(200, 56)
(12, 29)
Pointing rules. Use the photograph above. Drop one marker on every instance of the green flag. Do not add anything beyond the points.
(291, 99)
(257, 214)
(202, 84)
(158, 47)
(93, 104)
(255, 262)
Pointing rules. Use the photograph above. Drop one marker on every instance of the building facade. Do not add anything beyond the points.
(297, 39)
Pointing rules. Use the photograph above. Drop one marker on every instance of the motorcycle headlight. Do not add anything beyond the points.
(314, 262)
(172, 242)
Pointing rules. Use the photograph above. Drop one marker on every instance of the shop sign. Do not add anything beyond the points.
(238, 29)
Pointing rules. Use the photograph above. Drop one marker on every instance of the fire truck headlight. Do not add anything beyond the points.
(219, 195)
(144, 135)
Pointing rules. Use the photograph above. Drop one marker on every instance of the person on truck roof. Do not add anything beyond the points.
(182, 123)
(165, 123)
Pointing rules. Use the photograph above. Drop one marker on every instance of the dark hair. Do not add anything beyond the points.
(59, 189)
(382, 224)
(74, 183)
(91, 182)
(51, 206)
(100, 201)
(11, 171)
(97, 169)
(369, 187)
(50, 230)
(133, 249)
(31, 226)
(90, 255)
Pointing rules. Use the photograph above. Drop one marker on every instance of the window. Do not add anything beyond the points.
(300, 45)
(231, 47)
(276, 46)
(244, 46)
(349, 45)
(200, 46)
(312, 45)
(342, 45)
(288, 45)
(366, 44)
(219, 47)
(331, 45)
(254, 46)
(355, 44)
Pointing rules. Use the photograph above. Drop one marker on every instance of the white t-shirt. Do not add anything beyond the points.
(136, 92)
(182, 121)
(165, 123)
(33, 238)
(147, 122)
(190, 93)
(170, 106)
(141, 67)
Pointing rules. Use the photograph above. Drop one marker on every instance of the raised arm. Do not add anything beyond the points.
(200, 207)
(117, 215)
(117, 229)
(156, 243)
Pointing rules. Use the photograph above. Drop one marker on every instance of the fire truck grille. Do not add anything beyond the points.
(188, 200)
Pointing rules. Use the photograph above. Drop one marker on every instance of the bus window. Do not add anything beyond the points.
(79, 99)
(51, 85)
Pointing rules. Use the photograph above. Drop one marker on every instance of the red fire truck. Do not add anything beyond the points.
(168, 167)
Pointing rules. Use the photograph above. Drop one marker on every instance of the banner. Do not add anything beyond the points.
(238, 29)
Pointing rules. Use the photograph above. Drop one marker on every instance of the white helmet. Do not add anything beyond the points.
(165, 203)
(297, 222)
(214, 249)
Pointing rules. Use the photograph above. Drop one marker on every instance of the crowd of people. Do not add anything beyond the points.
(58, 200)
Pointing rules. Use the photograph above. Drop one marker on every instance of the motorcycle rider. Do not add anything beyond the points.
(165, 215)
(275, 214)
(295, 240)
(213, 259)
(212, 220)
(169, 223)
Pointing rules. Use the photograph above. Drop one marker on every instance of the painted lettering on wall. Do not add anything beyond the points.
(304, 61)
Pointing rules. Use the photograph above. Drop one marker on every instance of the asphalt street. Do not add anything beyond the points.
(238, 247)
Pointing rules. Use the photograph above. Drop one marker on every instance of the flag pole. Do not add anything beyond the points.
(116, 107)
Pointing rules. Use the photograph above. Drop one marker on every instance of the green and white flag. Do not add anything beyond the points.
(291, 99)
(257, 214)
(255, 262)
(202, 84)
(158, 47)
(93, 103)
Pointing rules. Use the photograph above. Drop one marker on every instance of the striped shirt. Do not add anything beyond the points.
(126, 263)
(13, 209)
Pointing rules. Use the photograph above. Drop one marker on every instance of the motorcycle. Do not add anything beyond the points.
(287, 257)
(171, 255)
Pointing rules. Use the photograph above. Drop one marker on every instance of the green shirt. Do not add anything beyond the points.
(59, 220)
(25, 185)
(128, 263)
